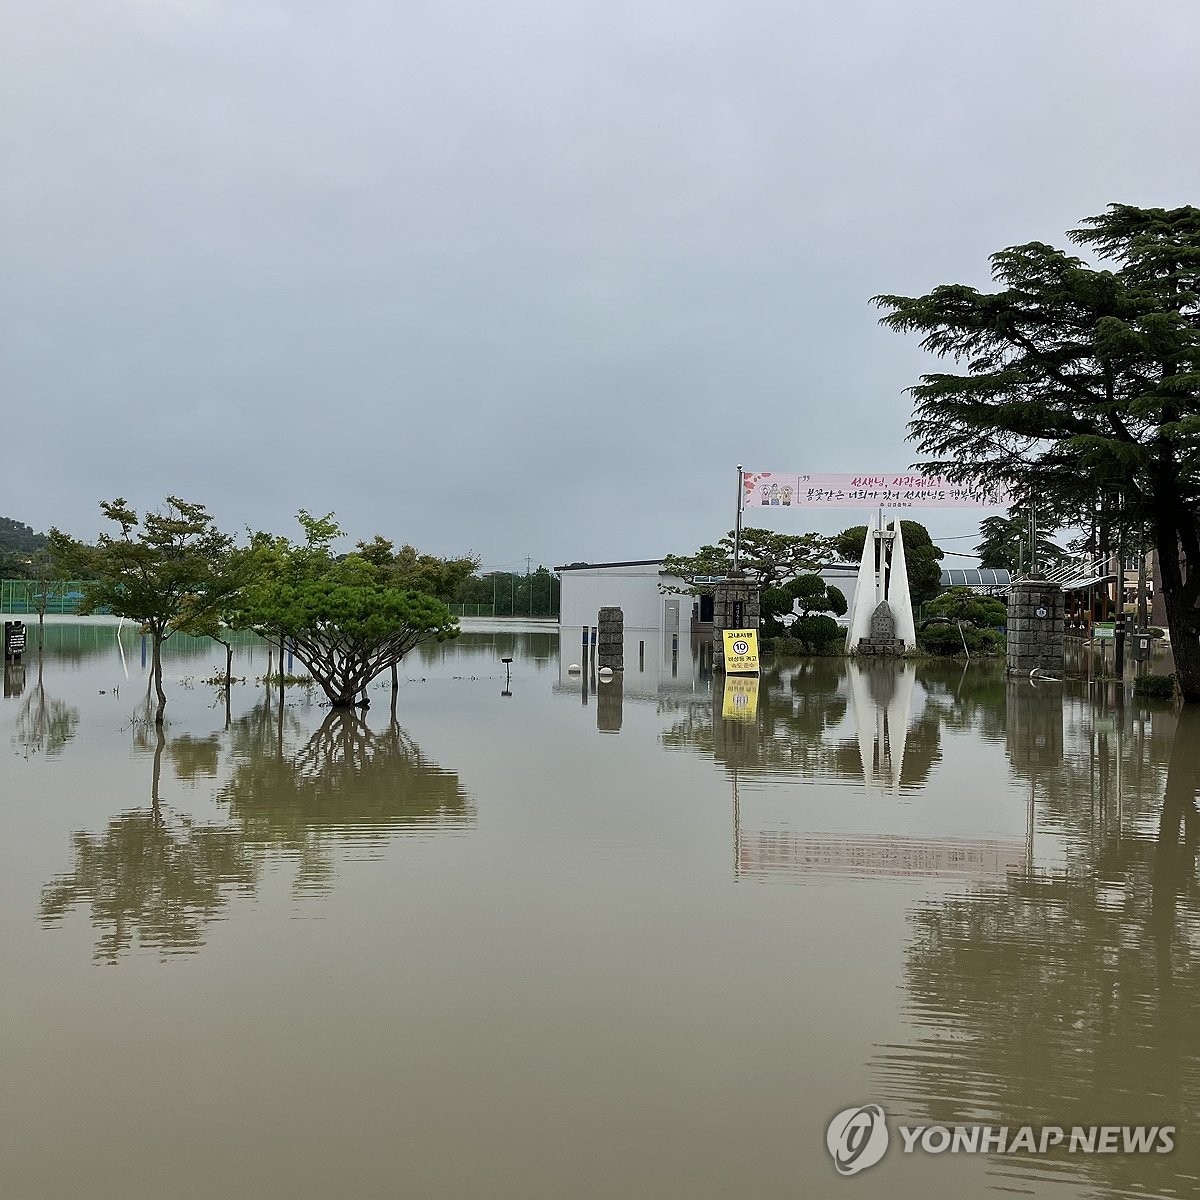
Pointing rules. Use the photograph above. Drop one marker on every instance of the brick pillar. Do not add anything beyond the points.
(1035, 626)
(610, 639)
(735, 606)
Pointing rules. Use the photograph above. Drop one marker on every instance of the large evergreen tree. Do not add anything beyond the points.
(1080, 385)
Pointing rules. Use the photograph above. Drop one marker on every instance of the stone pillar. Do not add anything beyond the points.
(1035, 626)
(610, 639)
(735, 606)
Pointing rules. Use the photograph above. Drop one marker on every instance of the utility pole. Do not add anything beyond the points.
(528, 588)
(1143, 621)
(737, 527)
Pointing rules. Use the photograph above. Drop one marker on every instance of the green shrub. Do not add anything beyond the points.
(817, 632)
(1155, 687)
(945, 640)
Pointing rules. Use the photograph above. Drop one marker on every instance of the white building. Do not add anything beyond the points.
(632, 587)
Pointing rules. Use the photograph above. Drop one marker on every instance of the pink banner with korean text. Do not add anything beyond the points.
(775, 489)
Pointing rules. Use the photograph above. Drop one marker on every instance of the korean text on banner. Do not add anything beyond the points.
(741, 651)
(774, 489)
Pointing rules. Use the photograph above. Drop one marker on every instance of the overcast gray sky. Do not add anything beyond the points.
(527, 277)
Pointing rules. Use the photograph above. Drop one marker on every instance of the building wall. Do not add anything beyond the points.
(633, 589)
(844, 578)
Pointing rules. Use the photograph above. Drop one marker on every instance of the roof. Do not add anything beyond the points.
(975, 577)
(1086, 581)
(637, 562)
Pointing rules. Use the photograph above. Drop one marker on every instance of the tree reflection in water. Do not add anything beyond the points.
(1070, 996)
(157, 877)
(44, 725)
(348, 783)
(153, 875)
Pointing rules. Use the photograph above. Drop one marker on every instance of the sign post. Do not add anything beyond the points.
(741, 651)
(14, 641)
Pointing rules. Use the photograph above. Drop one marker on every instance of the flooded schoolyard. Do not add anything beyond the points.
(525, 934)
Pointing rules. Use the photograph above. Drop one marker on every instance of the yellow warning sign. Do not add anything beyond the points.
(741, 651)
(740, 702)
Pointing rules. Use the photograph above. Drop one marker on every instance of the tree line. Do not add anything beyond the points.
(348, 618)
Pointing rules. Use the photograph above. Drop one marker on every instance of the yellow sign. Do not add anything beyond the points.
(740, 702)
(741, 651)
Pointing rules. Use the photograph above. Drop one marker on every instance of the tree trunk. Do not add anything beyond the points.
(228, 682)
(1183, 617)
(156, 670)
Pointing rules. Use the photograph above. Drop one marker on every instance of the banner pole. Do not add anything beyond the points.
(737, 528)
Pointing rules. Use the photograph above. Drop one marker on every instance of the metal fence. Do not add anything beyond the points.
(472, 610)
(25, 596)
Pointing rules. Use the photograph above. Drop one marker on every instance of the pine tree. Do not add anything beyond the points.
(1078, 385)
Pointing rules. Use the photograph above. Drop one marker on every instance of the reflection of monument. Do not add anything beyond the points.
(802, 730)
(882, 698)
(881, 619)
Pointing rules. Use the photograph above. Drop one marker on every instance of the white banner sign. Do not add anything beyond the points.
(773, 489)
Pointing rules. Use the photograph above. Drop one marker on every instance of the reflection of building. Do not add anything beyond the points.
(767, 853)
(657, 666)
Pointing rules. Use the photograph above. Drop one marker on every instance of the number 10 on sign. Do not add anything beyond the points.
(741, 651)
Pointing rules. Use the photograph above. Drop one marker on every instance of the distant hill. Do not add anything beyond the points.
(18, 538)
(17, 543)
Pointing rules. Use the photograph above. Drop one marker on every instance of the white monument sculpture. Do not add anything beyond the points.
(881, 617)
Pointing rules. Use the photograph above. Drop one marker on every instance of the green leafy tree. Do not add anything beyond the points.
(765, 557)
(513, 594)
(814, 597)
(1077, 384)
(411, 570)
(43, 575)
(962, 620)
(157, 570)
(347, 622)
(1005, 544)
(962, 604)
(923, 558)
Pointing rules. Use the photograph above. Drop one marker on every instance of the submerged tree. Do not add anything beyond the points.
(1079, 385)
(343, 617)
(410, 569)
(158, 569)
